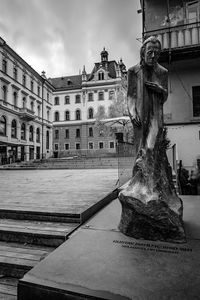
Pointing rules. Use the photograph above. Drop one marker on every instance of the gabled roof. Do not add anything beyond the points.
(67, 82)
(111, 68)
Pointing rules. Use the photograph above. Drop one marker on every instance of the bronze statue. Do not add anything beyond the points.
(151, 208)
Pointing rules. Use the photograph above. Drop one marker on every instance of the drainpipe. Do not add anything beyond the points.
(143, 20)
(43, 118)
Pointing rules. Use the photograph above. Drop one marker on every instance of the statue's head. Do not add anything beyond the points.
(150, 51)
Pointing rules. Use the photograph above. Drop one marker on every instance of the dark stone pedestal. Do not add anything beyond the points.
(99, 262)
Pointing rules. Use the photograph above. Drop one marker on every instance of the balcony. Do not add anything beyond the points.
(183, 41)
(26, 114)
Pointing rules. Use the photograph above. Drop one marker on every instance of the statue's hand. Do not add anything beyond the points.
(156, 87)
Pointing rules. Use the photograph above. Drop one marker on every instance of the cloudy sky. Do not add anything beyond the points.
(60, 36)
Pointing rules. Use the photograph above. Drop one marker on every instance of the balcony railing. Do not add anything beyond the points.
(27, 114)
(178, 36)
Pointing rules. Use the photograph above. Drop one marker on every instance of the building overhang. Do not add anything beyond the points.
(175, 54)
(26, 114)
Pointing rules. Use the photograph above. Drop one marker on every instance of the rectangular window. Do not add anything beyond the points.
(67, 133)
(101, 145)
(78, 99)
(48, 97)
(78, 146)
(112, 145)
(111, 95)
(56, 134)
(32, 86)
(90, 132)
(38, 90)
(4, 65)
(78, 133)
(66, 146)
(101, 96)
(91, 145)
(90, 97)
(56, 147)
(192, 10)
(56, 101)
(67, 100)
(24, 80)
(196, 101)
(15, 73)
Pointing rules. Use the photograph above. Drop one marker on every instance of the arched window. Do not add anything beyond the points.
(78, 114)
(56, 116)
(47, 139)
(14, 129)
(38, 135)
(4, 88)
(31, 133)
(67, 115)
(24, 102)
(15, 98)
(90, 113)
(3, 125)
(23, 131)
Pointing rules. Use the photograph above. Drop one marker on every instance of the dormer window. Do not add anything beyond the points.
(69, 82)
(101, 76)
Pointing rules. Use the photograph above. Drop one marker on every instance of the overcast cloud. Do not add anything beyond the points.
(60, 36)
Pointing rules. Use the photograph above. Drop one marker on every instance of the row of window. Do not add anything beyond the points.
(90, 146)
(77, 115)
(67, 115)
(24, 78)
(24, 101)
(3, 130)
(78, 133)
(90, 98)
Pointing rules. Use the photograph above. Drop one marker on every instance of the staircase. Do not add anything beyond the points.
(26, 239)
(67, 163)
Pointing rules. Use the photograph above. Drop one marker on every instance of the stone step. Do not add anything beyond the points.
(24, 213)
(8, 288)
(35, 232)
(17, 259)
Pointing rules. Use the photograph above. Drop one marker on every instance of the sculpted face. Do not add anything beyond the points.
(151, 53)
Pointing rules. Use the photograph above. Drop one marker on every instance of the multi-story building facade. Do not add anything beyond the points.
(177, 25)
(25, 109)
(81, 100)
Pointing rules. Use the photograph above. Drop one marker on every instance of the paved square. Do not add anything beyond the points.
(57, 191)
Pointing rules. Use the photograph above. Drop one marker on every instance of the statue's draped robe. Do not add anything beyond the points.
(151, 208)
(148, 104)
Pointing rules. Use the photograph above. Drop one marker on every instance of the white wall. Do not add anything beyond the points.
(186, 137)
